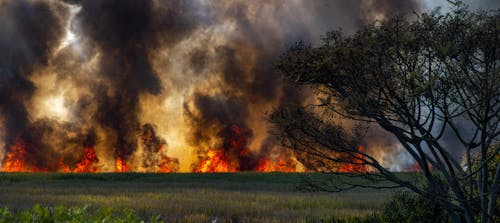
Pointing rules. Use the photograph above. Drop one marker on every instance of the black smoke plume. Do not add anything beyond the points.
(30, 32)
(126, 33)
(128, 50)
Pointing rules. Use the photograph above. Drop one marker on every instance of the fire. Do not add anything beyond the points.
(63, 167)
(229, 157)
(16, 159)
(86, 165)
(235, 156)
(121, 165)
(355, 164)
(165, 162)
(281, 165)
(164, 167)
(216, 162)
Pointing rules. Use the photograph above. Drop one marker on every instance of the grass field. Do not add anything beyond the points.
(186, 197)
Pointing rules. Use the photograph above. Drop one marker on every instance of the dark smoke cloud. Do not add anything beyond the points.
(43, 138)
(152, 146)
(213, 113)
(126, 33)
(245, 62)
(30, 32)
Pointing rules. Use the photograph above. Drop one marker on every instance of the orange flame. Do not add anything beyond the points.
(86, 165)
(63, 167)
(16, 159)
(121, 165)
(216, 162)
(165, 165)
(165, 162)
(234, 156)
(354, 165)
(281, 165)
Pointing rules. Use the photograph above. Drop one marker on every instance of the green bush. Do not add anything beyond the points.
(405, 207)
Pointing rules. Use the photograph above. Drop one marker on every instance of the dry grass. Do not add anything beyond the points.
(243, 197)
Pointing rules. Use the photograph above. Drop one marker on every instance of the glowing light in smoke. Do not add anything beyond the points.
(70, 37)
(213, 73)
(55, 106)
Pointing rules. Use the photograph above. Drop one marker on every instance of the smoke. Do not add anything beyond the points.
(483, 4)
(149, 80)
(126, 34)
(247, 86)
(30, 31)
(472, 4)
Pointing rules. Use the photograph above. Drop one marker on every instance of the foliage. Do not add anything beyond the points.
(41, 214)
(405, 207)
(491, 174)
(401, 208)
(238, 197)
(189, 197)
(424, 79)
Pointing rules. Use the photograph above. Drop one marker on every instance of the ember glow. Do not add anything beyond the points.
(235, 156)
(16, 159)
(88, 164)
(280, 165)
(355, 163)
(215, 161)
(155, 86)
(121, 165)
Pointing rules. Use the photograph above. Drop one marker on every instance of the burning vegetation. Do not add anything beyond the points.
(234, 156)
(152, 86)
(354, 163)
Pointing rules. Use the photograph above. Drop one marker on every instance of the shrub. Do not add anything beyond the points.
(406, 207)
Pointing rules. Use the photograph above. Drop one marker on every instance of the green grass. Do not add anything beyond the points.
(41, 214)
(183, 197)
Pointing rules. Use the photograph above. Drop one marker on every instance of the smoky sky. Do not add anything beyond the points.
(30, 31)
(472, 4)
(121, 40)
(125, 32)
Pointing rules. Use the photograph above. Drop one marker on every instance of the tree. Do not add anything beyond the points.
(419, 77)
